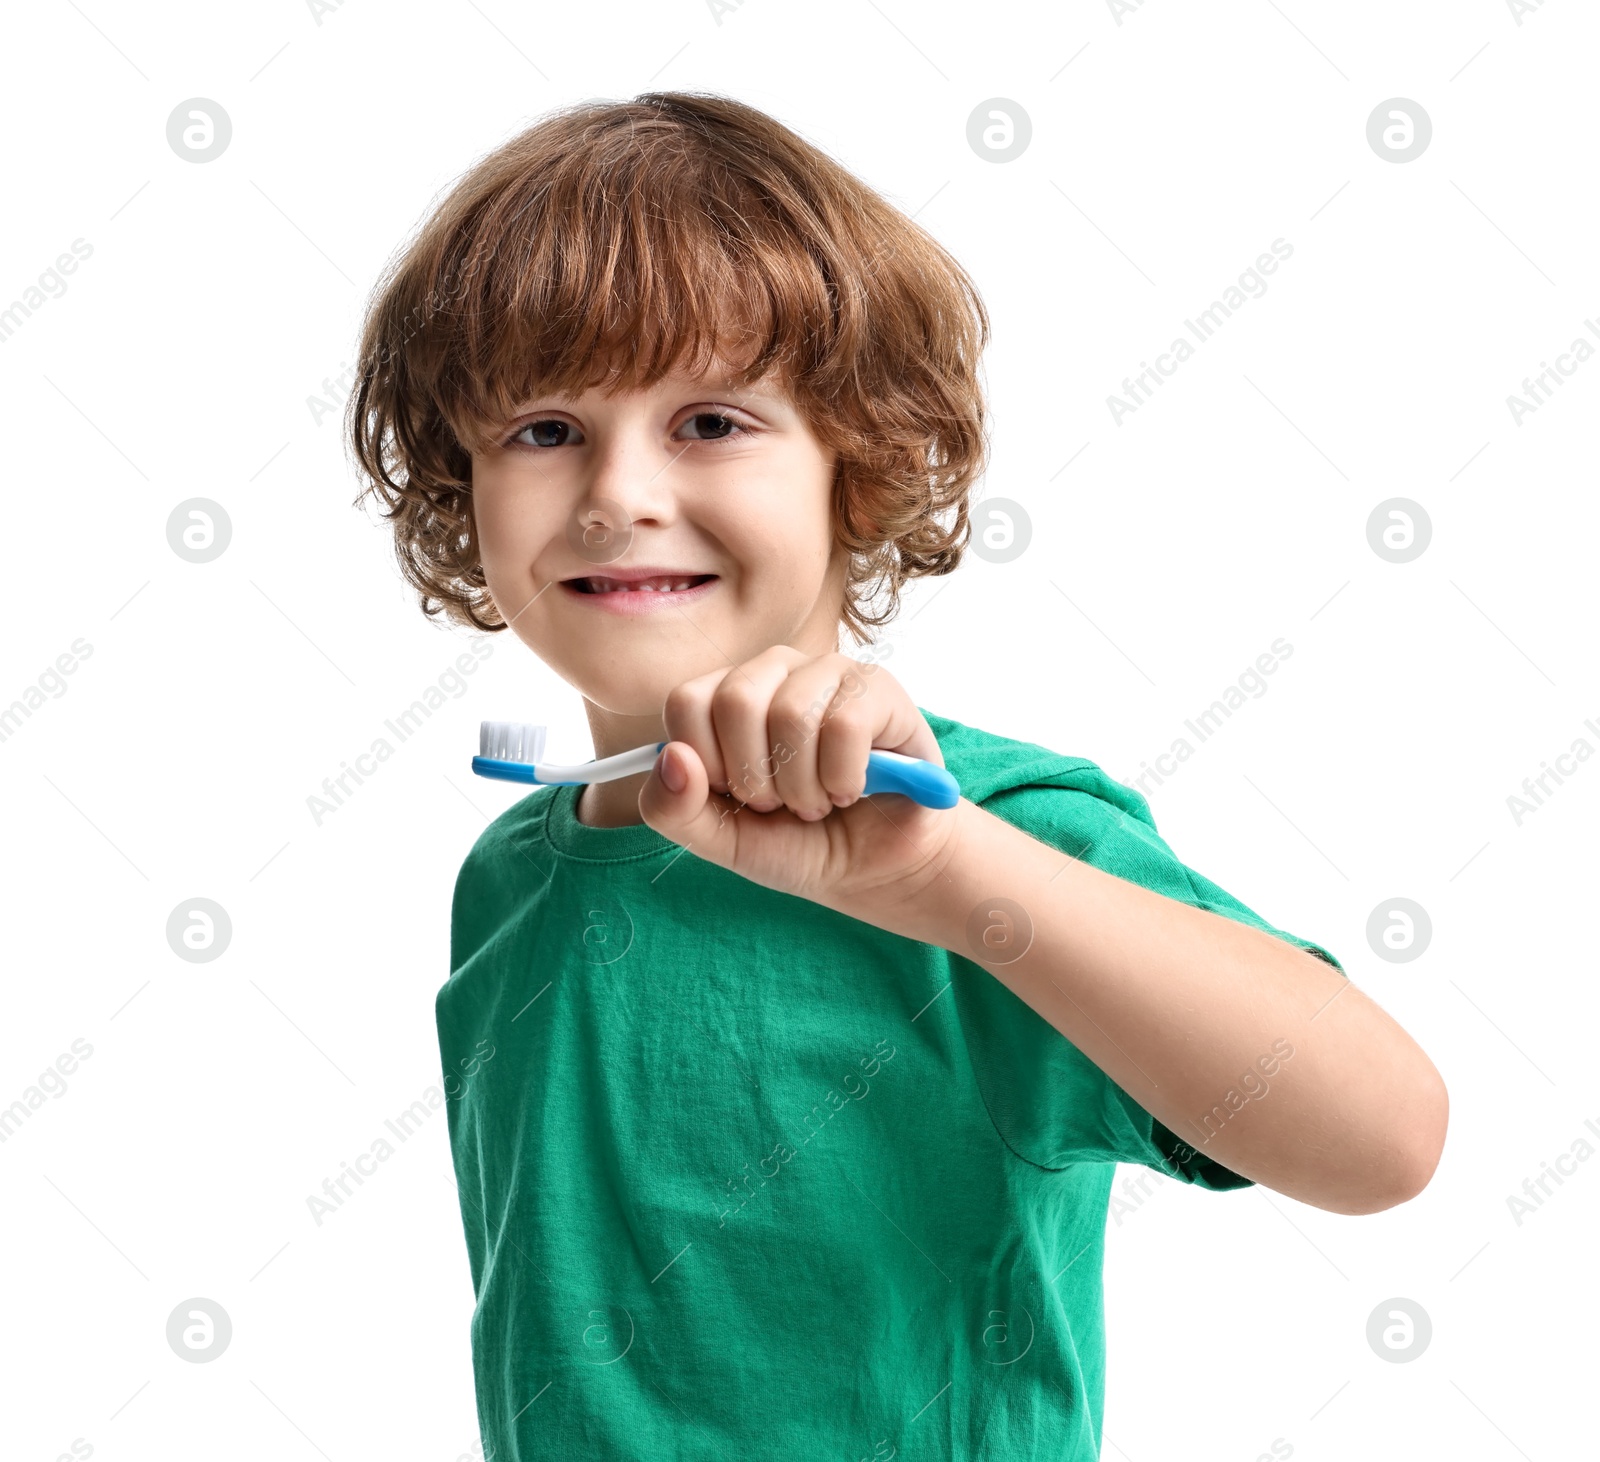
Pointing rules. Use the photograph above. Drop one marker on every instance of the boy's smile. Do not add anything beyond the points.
(641, 590)
(638, 540)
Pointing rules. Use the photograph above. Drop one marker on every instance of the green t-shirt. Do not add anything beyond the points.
(743, 1177)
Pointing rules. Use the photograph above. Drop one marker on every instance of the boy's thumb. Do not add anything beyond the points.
(675, 799)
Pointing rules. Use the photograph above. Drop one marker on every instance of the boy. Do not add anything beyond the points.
(784, 1120)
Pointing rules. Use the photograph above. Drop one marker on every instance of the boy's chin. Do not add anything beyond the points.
(642, 693)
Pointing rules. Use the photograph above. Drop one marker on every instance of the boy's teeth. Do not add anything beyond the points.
(650, 586)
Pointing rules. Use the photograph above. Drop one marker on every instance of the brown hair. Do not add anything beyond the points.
(610, 240)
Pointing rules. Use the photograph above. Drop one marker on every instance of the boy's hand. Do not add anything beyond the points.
(763, 771)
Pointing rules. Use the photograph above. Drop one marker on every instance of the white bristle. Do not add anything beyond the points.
(511, 741)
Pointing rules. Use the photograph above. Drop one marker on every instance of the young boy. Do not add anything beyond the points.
(785, 1119)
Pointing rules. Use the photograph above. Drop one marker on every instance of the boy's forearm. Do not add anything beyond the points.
(1191, 1013)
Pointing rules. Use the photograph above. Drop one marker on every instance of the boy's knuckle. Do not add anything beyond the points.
(791, 715)
(849, 721)
(737, 697)
(683, 702)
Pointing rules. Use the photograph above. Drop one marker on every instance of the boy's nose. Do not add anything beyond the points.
(634, 483)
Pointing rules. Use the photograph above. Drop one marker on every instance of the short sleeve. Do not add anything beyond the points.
(1049, 1103)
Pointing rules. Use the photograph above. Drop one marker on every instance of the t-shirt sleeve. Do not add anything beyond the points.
(1050, 1103)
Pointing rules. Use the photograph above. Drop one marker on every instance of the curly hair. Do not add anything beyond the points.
(612, 241)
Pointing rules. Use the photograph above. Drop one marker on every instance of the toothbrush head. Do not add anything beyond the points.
(511, 741)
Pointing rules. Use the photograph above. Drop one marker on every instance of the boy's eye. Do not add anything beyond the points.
(542, 432)
(718, 433)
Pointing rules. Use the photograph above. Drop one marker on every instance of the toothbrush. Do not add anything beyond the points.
(512, 751)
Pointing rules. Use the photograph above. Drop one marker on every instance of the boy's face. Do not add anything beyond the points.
(723, 488)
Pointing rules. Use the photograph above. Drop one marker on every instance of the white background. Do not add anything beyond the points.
(1168, 151)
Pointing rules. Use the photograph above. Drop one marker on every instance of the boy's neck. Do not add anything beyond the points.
(616, 804)
(612, 804)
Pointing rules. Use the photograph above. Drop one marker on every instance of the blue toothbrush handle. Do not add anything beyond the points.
(921, 781)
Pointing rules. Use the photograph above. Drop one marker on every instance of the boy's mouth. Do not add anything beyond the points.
(654, 584)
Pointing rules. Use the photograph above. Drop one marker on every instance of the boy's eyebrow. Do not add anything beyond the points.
(757, 392)
(755, 388)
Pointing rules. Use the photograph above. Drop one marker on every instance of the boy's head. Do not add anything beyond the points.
(669, 333)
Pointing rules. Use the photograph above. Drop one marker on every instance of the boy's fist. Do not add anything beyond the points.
(763, 774)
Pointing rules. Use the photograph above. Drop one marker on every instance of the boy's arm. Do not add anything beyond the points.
(1182, 1007)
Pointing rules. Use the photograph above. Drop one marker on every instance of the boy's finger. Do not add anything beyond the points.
(676, 801)
(686, 716)
(739, 710)
(804, 718)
